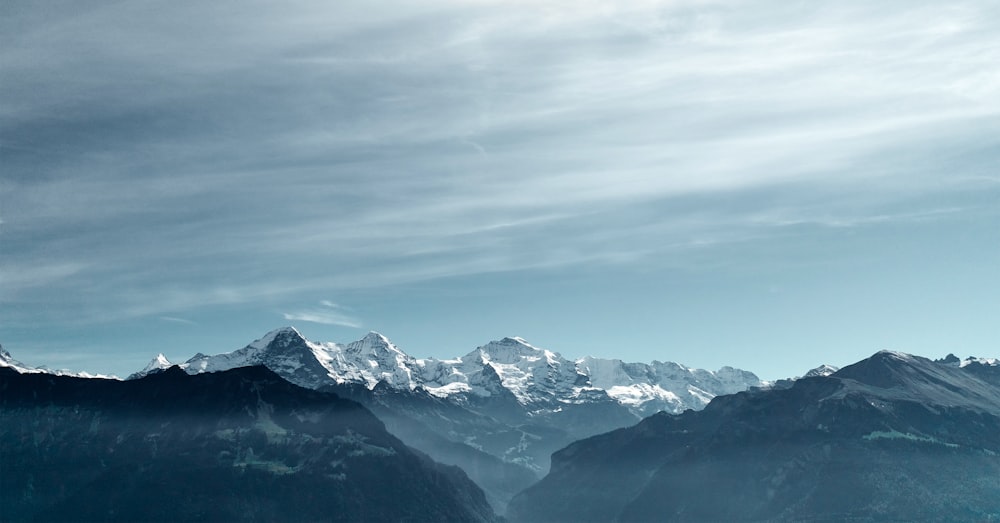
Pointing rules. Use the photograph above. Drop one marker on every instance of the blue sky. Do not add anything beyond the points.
(769, 185)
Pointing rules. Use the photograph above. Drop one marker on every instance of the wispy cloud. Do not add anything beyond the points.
(173, 319)
(327, 146)
(328, 314)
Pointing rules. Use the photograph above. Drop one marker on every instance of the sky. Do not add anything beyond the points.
(769, 185)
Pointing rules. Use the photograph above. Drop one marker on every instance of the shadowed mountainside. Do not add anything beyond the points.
(891, 438)
(236, 445)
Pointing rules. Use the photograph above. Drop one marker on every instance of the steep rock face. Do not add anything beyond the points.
(284, 351)
(894, 437)
(238, 445)
(377, 360)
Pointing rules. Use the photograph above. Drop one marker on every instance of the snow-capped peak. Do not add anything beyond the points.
(281, 349)
(374, 358)
(6, 360)
(822, 370)
(530, 373)
(894, 355)
(377, 337)
(373, 344)
(512, 350)
(650, 387)
(989, 362)
(284, 333)
(159, 362)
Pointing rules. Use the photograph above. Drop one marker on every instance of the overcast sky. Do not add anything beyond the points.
(770, 185)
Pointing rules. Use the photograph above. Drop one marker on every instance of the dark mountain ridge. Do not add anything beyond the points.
(892, 438)
(242, 444)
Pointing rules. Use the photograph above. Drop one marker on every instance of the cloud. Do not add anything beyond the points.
(173, 319)
(328, 314)
(229, 157)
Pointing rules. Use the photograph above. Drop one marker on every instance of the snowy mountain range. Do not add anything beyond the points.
(837, 444)
(497, 412)
(534, 376)
(502, 410)
(8, 361)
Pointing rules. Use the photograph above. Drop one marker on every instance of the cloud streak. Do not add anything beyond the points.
(324, 147)
(174, 319)
(328, 314)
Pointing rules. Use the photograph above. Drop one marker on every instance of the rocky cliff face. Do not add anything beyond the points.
(239, 445)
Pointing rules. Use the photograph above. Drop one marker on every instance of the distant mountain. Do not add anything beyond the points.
(237, 445)
(498, 411)
(822, 370)
(159, 363)
(8, 361)
(892, 438)
(530, 374)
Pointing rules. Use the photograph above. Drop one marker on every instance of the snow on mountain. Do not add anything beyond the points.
(822, 370)
(6, 360)
(989, 362)
(954, 361)
(160, 362)
(648, 388)
(534, 376)
(374, 358)
(285, 351)
(531, 374)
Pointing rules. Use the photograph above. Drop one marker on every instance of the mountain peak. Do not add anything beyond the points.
(511, 350)
(6, 360)
(894, 354)
(285, 336)
(374, 344)
(897, 375)
(159, 362)
(822, 370)
(881, 369)
(950, 359)
(376, 337)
